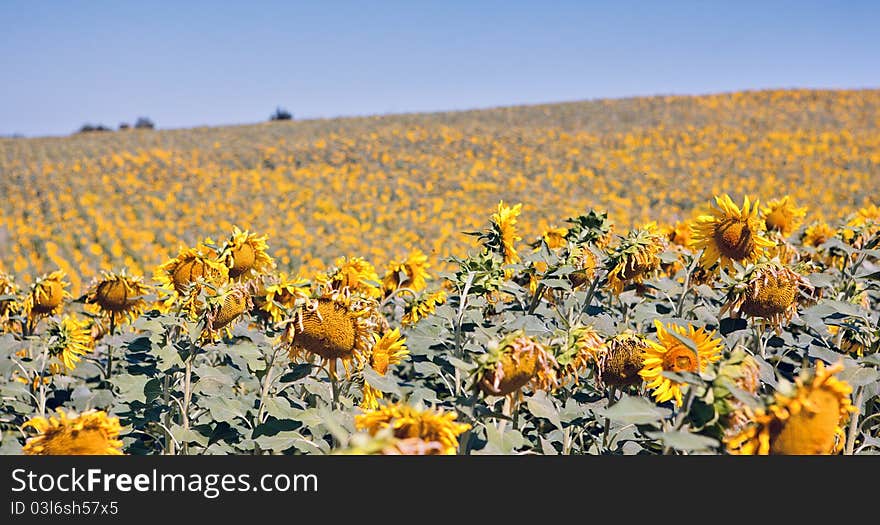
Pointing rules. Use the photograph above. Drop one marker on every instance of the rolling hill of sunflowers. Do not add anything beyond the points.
(664, 275)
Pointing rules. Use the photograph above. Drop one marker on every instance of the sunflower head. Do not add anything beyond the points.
(554, 238)
(118, 295)
(738, 372)
(502, 235)
(185, 275)
(389, 349)
(47, 294)
(679, 234)
(636, 258)
(585, 264)
(352, 275)
(69, 340)
(246, 254)
(282, 295)
(729, 233)
(622, 359)
(411, 273)
(91, 433)
(408, 422)
(423, 306)
(769, 291)
(806, 421)
(816, 234)
(223, 308)
(581, 347)
(513, 363)
(782, 216)
(9, 298)
(678, 349)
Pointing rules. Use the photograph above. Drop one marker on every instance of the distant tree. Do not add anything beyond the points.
(281, 114)
(144, 123)
(89, 128)
(123, 126)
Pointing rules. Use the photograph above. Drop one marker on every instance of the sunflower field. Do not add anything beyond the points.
(664, 275)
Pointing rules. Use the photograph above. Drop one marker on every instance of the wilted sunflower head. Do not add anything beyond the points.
(69, 340)
(585, 264)
(853, 338)
(408, 422)
(230, 302)
(636, 258)
(118, 296)
(353, 275)
(729, 233)
(388, 349)
(735, 389)
(768, 290)
(411, 273)
(184, 274)
(781, 215)
(679, 349)
(514, 362)
(334, 327)
(621, 362)
(246, 254)
(91, 433)
(807, 419)
(581, 347)
(423, 306)
(502, 236)
(47, 294)
(281, 295)
(9, 298)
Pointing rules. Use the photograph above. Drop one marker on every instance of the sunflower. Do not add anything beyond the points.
(850, 341)
(245, 254)
(739, 371)
(584, 262)
(504, 231)
(353, 275)
(807, 421)
(729, 233)
(816, 234)
(10, 304)
(230, 302)
(413, 447)
(768, 290)
(371, 397)
(514, 362)
(411, 273)
(636, 258)
(413, 422)
(118, 296)
(620, 363)
(91, 433)
(69, 339)
(47, 294)
(423, 307)
(282, 296)
(672, 354)
(781, 215)
(861, 226)
(555, 238)
(184, 275)
(334, 327)
(389, 349)
(385, 444)
(680, 233)
(582, 346)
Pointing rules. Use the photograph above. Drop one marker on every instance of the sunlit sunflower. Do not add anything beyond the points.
(729, 233)
(384, 443)
(554, 238)
(621, 362)
(413, 422)
(47, 294)
(636, 258)
(282, 295)
(504, 229)
(769, 291)
(861, 226)
(246, 254)
(423, 307)
(69, 340)
(183, 275)
(371, 397)
(352, 275)
(581, 347)
(118, 296)
(514, 362)
(679, 234)
(781, 215)
(411, 273)
(807, 421)
(222, 309)
(817, 233)
(334, 327)
(389, 349)
(673, 354)
(851, 341)
(91, 433)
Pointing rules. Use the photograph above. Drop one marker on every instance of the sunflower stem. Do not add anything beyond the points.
(187, 396)
(853, 429)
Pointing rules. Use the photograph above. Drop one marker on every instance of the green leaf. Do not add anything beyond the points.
(858, 376)
(634, 410)
(540, 405)
(683, 440)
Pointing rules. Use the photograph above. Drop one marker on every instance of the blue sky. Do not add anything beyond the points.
(186, 64)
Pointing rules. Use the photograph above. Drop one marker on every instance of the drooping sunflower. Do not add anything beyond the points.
(585, 264)
(389, 349)
(352, 275)
(414, 422)
(555, 238)
(504, 234)
(738, 371)
(91, 433)
(69, 340)
(621, 362)
(222, 309)
(120, 297)
(581, 347)
(184, 275)
(423, 307)
(729, 233)
(281, 297)
(47, 295)
(635, 258)
(334, 327)
(672, 354)
(246, 254)
(767, 290)
(807, 421)
(782, 216)
(854, 342)
(10, 302)
(512, 363)
(411, 273)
